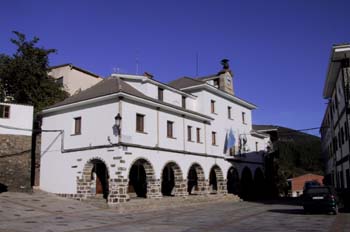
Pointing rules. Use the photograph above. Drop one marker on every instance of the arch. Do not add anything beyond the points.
(3, 188)
(216, 179)
(196, 180)
(141, 178)
(95, 179)
(233, 181)
(246, 184)
(172, 180)
(259, 184)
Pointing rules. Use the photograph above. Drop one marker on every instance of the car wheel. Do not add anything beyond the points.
(336, 210)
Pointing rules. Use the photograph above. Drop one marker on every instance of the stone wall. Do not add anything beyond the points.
(15, 162)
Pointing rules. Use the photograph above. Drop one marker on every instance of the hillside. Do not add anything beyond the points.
(295, 153)
(298, 152)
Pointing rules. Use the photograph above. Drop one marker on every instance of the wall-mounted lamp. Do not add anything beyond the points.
(118, 120)
(118, 124)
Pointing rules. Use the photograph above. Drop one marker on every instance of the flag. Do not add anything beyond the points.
(230, 141)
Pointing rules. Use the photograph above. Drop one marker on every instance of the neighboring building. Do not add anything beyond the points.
(335, 125)
(16, 119)
(297, 183)
(131, 135)
(16, 123)
(292, 153)
(73, 78)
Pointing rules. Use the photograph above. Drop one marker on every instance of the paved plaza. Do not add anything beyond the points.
(49, 213)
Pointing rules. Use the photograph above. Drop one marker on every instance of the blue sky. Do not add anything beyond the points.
(278, 50)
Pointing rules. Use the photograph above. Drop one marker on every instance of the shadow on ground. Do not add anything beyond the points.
(288, 211)
(280, 201)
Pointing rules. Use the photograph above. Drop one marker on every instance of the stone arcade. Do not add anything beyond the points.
(132, 136)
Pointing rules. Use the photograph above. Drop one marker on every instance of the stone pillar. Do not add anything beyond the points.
(180, 188)
(85, 184)
(222, 187)
(203, 187)
(118, 191)
(154, 189)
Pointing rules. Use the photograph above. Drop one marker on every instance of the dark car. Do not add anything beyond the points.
(310, 184)
(320, 198)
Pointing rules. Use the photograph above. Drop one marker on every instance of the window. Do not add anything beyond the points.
(59, 81)
(212, 106)
(217, 83)
(4, 111)
(183, 102)
(342, 135)
(335, 144)
(336, 102)
(229, 112)
(232, 151)
(170, 129)
(256, 146)
(198, 135)
(189, 133)
(77, 126)
(140, 123)
(341, 179)
(243, 118)
(346, 130)
(160, 94)
(213, 138)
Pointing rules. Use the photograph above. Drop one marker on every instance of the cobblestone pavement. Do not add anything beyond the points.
(45, 212)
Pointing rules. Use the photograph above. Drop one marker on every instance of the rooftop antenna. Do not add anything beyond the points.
(137, 62)
(197, 64)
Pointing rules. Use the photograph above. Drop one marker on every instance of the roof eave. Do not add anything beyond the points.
(116, 95)
(259, 135)
(79, 103)
(74, 67)
(224, 94)
(146, 79)
(338, 53)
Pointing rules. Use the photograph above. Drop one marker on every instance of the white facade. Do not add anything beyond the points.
(72, 78)
(335, 135)
(65, 154)
(17, 120)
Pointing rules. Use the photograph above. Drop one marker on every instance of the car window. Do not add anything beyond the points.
(317, 191)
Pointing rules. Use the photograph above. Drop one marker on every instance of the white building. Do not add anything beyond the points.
(131, 135)
(335, 136)
(73, 78)
(16, 119)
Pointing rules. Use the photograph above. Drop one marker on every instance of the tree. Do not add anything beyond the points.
(24, 78)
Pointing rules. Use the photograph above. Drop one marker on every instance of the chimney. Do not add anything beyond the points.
(147, 74)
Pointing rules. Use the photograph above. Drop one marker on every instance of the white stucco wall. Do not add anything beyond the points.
(74, 80)
(97, 122)
(20, 121)
(60, 170)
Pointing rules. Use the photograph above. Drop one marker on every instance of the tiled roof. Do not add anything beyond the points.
(207, 77)
(103, 88)
(185, 82)
(113, 85)
(264, 127)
